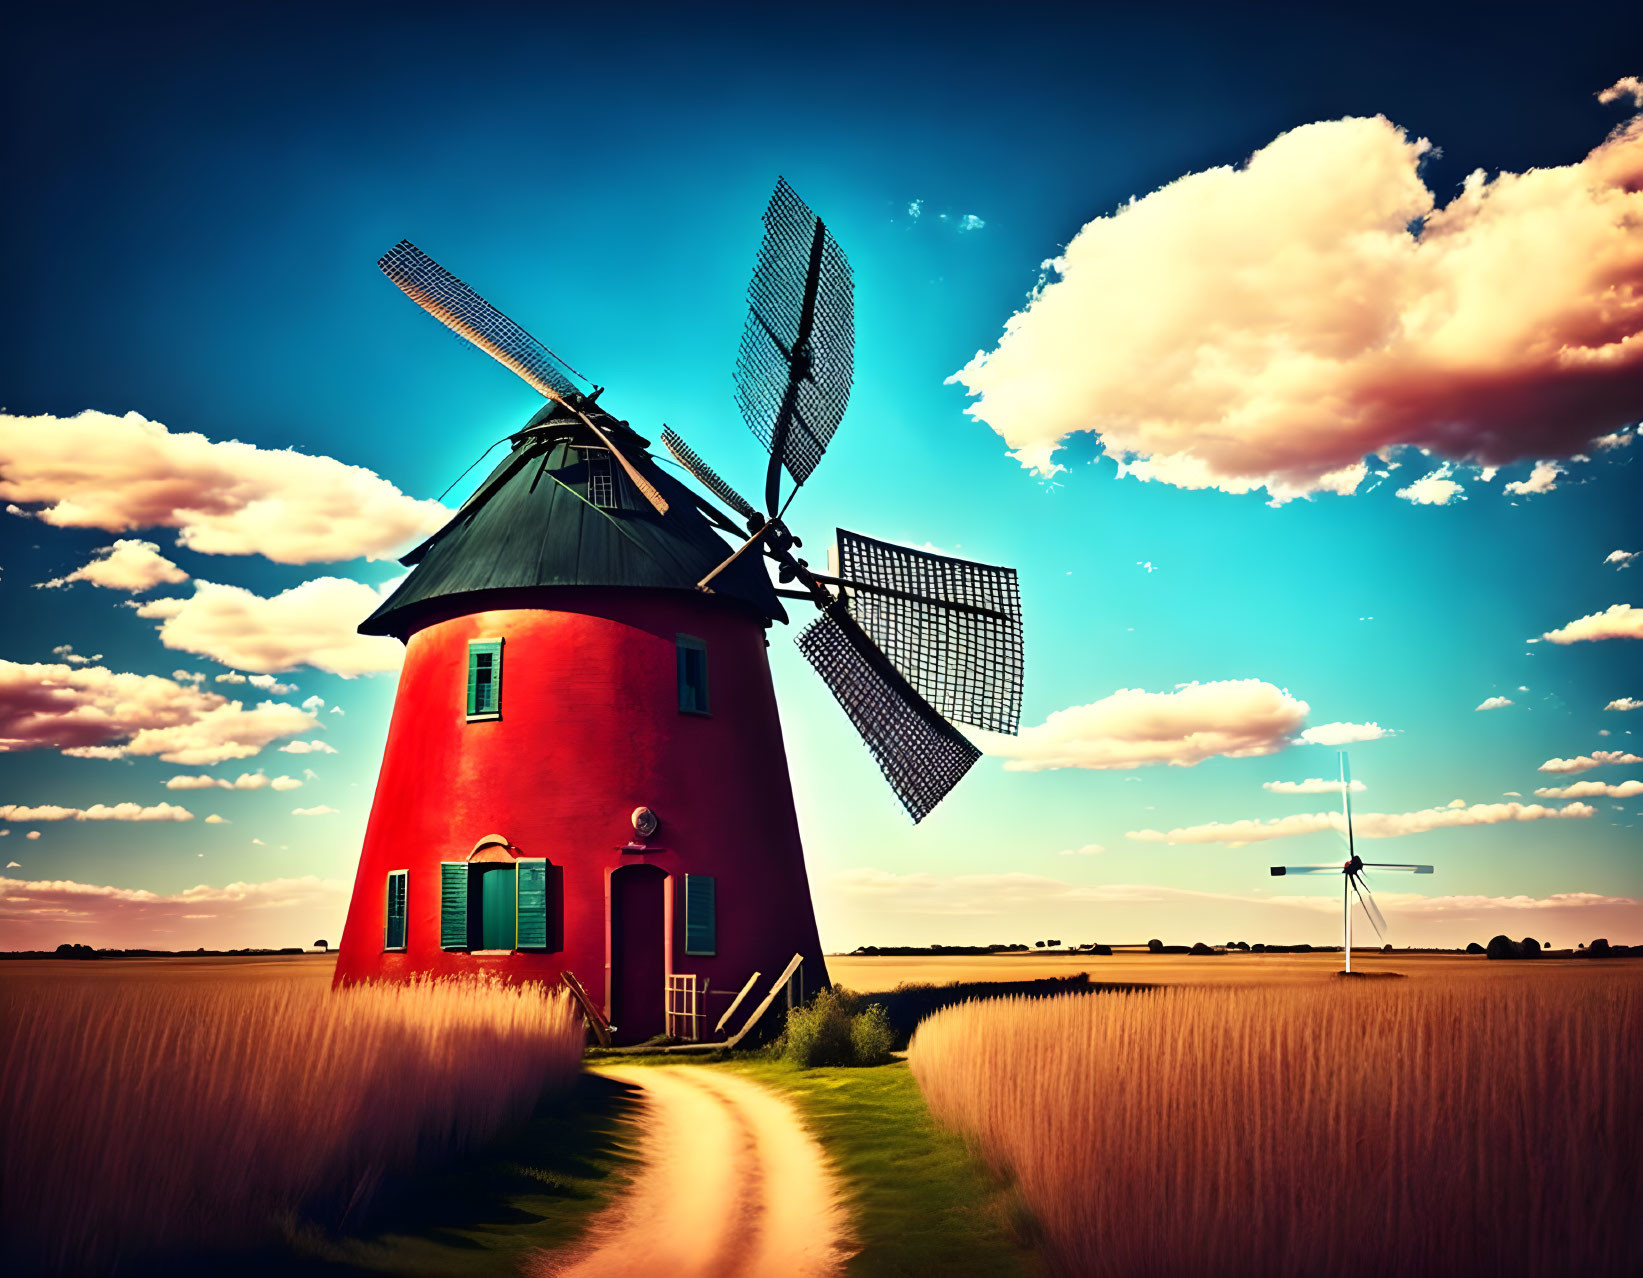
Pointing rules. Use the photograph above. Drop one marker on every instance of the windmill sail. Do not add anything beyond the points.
(471, 317)
(952, 627)
(920, 753)
(705, 475)
(796, 360)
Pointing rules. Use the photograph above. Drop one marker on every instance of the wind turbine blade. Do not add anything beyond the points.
(1306, 869)
(1367, 899)
(1346, 803)
(1409, 869)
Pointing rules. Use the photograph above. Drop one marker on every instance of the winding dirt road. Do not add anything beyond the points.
(731, 1185)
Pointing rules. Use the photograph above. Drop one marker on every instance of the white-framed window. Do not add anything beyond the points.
(394, 929)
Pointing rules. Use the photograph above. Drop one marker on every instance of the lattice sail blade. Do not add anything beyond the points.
(921, 755)
(952, 627)
(797, 356)
(472, 318)
(705, 475)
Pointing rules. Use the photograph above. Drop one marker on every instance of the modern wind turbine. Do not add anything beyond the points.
(1353, 881)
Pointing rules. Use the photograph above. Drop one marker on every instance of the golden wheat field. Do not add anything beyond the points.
(216, 1105)
(1451, 1126)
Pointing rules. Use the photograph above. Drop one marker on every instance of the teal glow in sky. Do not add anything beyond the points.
(198, 204)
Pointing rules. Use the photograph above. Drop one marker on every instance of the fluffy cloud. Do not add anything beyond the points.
(1367, 825)
(1435, 489)
(322, 810)
(1542, 479)
(1312, 785)
(96, 812)
(1494, 703)
(93, 712)
(1618, 621)
(313, 624)
(1593, 790)
(245, 781)
(1624, 703)
(1586, 762)
(1339, 734)
(1132, 728)
(44, 914)
(316, 746)
(1089, 849)
(1626, 86)
(214, 819)
(1620, 558)
(67, 653)
(128, 565)
(96, 470)
(1270, 326)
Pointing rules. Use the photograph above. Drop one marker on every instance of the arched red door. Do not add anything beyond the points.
(638, 952)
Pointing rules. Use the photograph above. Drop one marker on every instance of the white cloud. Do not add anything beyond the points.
(214, 819)
(1271, 326)
(32, 834)
(322, 810)
(314, 624)
(94, 712)
(1586, 762)
(1608, 443)
(1367, 825)
(267, 683)
(41, 914)
(1618, 621)
(245, 781)
(1338, 734)
(1132, 728)
(1626, 86)
(970, 222)
(316, 746)
(67, 653)
(314, 704)
(1592, 790)
(1494, 703)
(915, 209)
(128, 565)
(1620, 558)
(338, 710)
(96, 812)
(1089, 849)
(188, 676)
(1624, 703)
(1435, 489)
(230, 676)
(1312, 785)
(1542, 479)
(96, 470)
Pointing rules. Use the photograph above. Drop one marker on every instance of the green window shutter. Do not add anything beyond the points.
(453, 905)
(533, 904)
(395, 935)
(701, 915)
(692, 659)
(484, 677)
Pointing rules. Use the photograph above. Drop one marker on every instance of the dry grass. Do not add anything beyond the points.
(1443, 1127)
(143, 1114)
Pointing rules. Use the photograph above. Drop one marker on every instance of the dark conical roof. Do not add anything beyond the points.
(533, 523)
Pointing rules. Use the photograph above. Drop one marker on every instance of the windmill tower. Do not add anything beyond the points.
(584, 771)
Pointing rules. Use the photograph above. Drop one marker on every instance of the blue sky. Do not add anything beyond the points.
(199, 201)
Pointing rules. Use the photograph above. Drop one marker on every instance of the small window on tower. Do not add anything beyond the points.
(485, 679)
(394, 934)
(692, 675)
(601, 485)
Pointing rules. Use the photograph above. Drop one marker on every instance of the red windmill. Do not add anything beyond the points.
(584, 772)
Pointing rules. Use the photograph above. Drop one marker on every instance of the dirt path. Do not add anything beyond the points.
(731, 1186)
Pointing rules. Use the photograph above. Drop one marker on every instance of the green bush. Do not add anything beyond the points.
(828, 1031)
(871, 1037)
